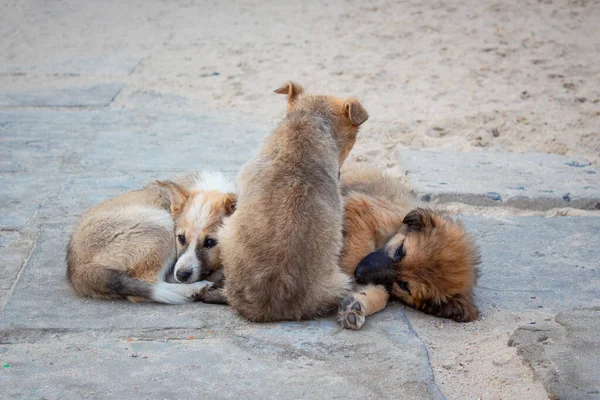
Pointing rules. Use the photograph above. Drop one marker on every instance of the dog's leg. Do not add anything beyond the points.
(179, 293)
(214, 296)
(366, 300)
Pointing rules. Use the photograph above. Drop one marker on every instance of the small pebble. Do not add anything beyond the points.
(209, 74)
(494, 196)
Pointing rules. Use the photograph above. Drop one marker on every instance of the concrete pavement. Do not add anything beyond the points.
(57, 163)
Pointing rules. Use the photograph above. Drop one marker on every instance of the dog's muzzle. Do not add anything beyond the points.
(376, 268)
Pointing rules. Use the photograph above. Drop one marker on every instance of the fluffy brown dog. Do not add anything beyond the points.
(425, 258)
(281, 248)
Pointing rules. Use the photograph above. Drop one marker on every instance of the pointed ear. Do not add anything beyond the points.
(293, 90)
(355, 112)
(177, 195)
(229, 203)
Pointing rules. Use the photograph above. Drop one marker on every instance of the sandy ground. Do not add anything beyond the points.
(457, 75)
(472, 361)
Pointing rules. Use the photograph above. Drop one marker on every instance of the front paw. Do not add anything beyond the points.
(198, 290)
(214, 296)
(352, 313)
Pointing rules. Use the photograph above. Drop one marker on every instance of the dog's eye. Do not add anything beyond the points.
(403, 285)
(181, 239)
(399, 253)
(209, 242)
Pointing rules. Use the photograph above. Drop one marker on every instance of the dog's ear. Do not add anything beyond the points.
(177, 195)
(355, 112)
(459, 307)
(419, 220)
(293, 90)
(229, 203)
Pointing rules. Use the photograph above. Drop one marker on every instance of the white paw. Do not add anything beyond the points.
(179, 293)
(197, 289)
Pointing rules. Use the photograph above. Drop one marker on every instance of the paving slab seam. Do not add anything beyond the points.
(16, 336)
(56, 108)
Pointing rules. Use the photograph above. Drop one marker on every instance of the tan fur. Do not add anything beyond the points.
(133, 236)
(440, 262)
(281, 248)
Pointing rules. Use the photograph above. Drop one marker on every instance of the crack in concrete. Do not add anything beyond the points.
(136, 66)
(115, 96)
(427, 358)
(515, 290)
(64, 186)
(25, 262)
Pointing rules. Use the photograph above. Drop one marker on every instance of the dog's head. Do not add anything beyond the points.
(346, 115)
(198, 214)
(429, 264)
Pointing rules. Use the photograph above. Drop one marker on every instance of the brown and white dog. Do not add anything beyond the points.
(419, 256)
(281, 248)
(140, 244)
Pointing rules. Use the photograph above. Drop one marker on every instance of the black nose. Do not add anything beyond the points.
(183, 275)
(377, 268)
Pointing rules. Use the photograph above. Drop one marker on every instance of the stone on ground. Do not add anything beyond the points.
(564, 353)
(527, 181)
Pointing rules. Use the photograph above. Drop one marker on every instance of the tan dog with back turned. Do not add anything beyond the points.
(281, 247)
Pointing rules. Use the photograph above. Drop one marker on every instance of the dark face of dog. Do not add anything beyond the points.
(430, 264)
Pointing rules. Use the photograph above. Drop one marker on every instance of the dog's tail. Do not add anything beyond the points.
(99, 281)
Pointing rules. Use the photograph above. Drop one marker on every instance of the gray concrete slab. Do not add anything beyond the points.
(57, 345)
(311, 360)
(532, 263)
(564, 353)
(121, 141)
(230, 356)
(98, 95)
(528, 181)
